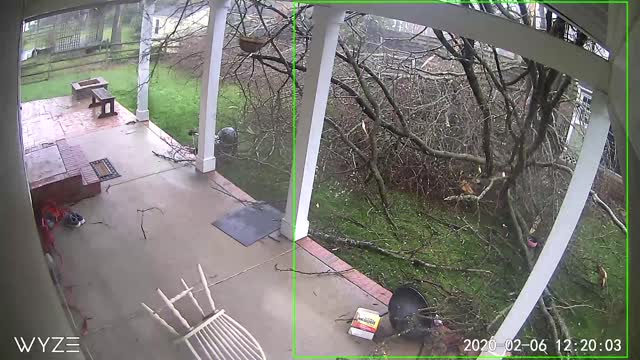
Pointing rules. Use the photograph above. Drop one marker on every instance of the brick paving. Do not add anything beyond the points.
(46, 121)
(44, 163)
(56, 170)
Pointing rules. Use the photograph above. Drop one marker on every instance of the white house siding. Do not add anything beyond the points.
(195, 23)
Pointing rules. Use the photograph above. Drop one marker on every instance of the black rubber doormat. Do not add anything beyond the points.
(251, 223)
(104, 169)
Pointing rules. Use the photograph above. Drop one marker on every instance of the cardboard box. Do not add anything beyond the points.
(365, 323)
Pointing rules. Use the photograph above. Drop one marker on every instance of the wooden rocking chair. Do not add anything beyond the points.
(217, 336)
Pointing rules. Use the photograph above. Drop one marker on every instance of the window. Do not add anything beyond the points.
(157, 29)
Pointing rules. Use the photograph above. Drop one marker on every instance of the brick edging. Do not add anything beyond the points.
(360, 280)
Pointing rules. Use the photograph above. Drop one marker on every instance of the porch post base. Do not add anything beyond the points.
(205, 165)
(286, 229)
(142, 115)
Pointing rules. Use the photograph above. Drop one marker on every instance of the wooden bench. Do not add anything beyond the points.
(104, 97)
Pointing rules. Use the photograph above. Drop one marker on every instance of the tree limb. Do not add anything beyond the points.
(392, 253)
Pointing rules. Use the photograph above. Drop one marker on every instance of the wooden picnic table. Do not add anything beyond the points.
(103, 97)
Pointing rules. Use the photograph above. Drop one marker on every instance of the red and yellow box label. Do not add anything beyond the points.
(365, 323)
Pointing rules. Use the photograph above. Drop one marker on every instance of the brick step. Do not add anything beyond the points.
(75, 161)
(88, 175)
(77, 183)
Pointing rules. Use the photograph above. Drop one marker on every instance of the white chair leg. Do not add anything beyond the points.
(160, 320)
(173, 309)
(203, 279)
(193, 298)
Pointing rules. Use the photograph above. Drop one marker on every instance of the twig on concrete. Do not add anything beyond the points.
(340, 318)
(172, 159)
(224, 191)
(144, 233)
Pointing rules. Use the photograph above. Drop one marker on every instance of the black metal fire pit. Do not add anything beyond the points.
(409, 313)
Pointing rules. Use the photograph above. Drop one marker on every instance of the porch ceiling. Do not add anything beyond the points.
(592, 18)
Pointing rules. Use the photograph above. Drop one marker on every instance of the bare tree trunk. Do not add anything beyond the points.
(116, 28)
(466, 60)
(98, 15)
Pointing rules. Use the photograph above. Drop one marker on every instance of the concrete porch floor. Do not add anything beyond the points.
(109, 268)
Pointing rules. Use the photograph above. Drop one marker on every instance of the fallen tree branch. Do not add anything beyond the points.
(319, 273)
(564, 329)
(551, 314)
(367, 110)
(500, 314)
(593, 194)
(571, 307)
(475, 198)
(608, 210)
(248, 158)
(392, 253)
(551, 322)
(436, 285)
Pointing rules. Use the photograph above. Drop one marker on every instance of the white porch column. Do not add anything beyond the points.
(142, 111)
(563, 228)
(317, 79)
(205, 160)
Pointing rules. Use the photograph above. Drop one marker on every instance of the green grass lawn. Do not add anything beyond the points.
(174, 97)
(473, 297)
(437, 234)
(127, 32)
(38, 68)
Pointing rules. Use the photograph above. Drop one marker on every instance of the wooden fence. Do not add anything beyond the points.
(39, 36)
(41, 68)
